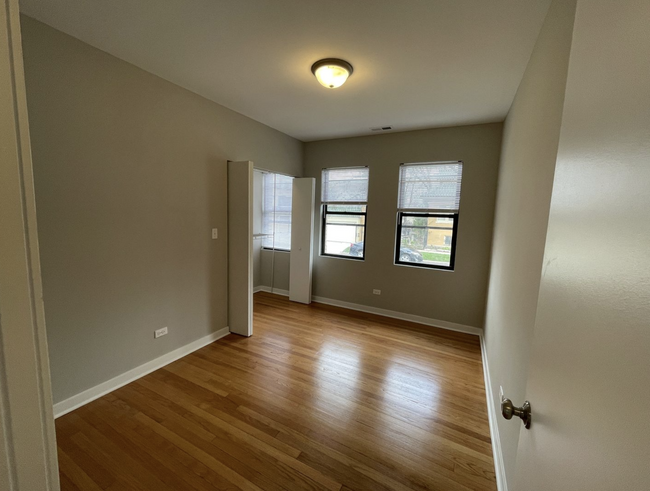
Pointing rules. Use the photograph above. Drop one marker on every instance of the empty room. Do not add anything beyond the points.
(342, 245)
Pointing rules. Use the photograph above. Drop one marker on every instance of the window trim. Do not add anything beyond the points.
(324, 214)
(454, 238)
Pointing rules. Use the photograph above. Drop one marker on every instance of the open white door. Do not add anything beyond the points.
(28, 459)
(302, 239)
(240, 247)
(589, 376)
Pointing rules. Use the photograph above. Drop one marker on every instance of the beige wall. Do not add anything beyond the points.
(457, 296)
(130, 177)
(530, 143)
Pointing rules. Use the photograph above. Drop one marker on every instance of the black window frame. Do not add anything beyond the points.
(324, 214)
(427, 214)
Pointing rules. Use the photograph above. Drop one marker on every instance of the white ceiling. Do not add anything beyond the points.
(417, 63)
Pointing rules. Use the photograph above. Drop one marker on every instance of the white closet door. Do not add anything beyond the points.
(302, 239)
(240, 247)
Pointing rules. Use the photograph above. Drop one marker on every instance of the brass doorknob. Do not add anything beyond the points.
(508, 409)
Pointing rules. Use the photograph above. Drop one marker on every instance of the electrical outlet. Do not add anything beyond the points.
(376, 292)
(159, 332)
(215, 233)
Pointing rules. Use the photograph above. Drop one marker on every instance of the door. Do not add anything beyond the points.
(589, 377)
(302, 240)
(240, 247)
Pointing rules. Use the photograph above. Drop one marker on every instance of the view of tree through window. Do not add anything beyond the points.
(426, 239)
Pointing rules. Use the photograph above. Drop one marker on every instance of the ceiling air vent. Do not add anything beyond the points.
(382, 128)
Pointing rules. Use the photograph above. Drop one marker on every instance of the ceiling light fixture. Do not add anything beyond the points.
(331, 72)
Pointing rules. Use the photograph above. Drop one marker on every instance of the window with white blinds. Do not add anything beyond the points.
(345, 185)
(277, 192)
(427, 218)
(345, 203)
(431, 186)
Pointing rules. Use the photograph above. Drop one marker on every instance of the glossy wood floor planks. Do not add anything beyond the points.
(319, 398)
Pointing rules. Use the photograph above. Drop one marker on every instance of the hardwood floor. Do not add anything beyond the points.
(318, 398)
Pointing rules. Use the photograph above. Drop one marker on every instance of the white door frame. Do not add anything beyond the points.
(28, 459)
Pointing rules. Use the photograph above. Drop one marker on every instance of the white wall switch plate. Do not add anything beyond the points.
(215, 233)
(159, 332)
(376, 292)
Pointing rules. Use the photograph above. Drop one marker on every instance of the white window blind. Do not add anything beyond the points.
(430, 186)
(276, 211)
(345, 185)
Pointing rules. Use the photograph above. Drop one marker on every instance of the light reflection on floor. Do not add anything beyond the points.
(337, 365)
(347, 375)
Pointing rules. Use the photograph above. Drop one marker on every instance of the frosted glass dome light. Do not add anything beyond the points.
(331, 72)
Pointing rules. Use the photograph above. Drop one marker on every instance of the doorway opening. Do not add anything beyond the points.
(272, 207)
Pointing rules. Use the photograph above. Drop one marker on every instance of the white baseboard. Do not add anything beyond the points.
(268, 289)
(104, 388)
(499, 469)
(393, 314)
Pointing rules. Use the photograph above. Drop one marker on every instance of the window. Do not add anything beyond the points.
(277, 193)
(345, 202)
(427, 217)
